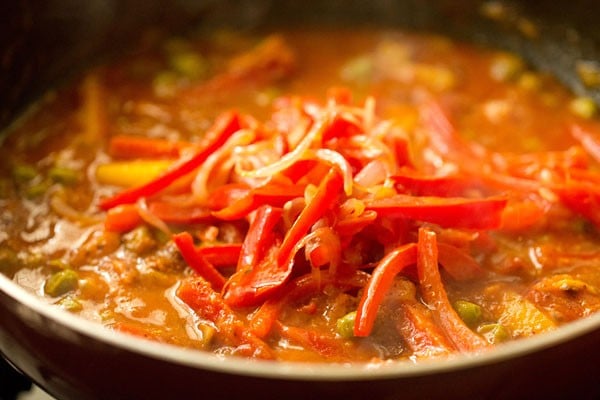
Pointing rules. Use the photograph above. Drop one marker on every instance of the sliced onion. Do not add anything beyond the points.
(62, 208)
(315, 133)
(150, 218)
(374, 173)
(200, 183)
(337, 160)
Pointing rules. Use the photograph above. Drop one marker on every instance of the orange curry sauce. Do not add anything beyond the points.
(387, 259)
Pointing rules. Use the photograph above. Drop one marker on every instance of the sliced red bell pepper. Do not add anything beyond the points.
(324, 198)
(221, 255)
(581, 202)
(521, 214)
(251, 287)
(323, 343)
(122, 218)
(129, 146)
(225, 195)
(434, 294)
(306, 285)
(417, 184)
(208, 304)
(379, 284)
(259, 237)
(196, 261)
(257, 275)
(178, 214)
(224, 126)
(272, 193)
(458, 264)
(422, 335)
(451, 212)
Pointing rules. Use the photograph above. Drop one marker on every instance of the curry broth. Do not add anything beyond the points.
(50, 191)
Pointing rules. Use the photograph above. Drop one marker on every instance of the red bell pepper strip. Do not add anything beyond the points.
(451, 212)
(178, 214)
(306, 285)
(260, 234)
(122, 218)
(458, 264)
(581, 202)
(421, 334)
(197, 262)
(589, 141)
(225, 195)
(379, 284)
(257, 274)
(417, 184)
(221, 255)
(326, 195)
(434, 294)
(322, 343)
(208, 304)
(521, 214)
(224, 126)
(251, 287)
(272, 193)
(129, 146)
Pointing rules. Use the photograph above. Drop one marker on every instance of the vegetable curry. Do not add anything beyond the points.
(309, 196)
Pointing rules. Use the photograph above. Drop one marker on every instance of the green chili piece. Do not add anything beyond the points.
(469, 312)
(23, 173)
(37, 190)
(494, 332)
(345, 325)
(61, 282)
(64, 175)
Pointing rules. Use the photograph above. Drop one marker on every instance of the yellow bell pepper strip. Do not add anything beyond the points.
(224, 126)
(131, 173)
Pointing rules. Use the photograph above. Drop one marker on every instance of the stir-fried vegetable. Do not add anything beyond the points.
(444, 201)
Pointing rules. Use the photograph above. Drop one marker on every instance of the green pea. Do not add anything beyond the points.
(61, 282)
(358, 69)
(494, 332)
(506, 66)
(468, 312)
(345, 325)
(189, 64)
(165, 83)
(64, 175)
(583, 107)
(23, 173)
